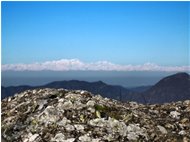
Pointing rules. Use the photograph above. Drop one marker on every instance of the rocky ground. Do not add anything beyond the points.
(58, 115)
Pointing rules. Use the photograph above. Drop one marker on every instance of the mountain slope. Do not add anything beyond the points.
(10, 91)
(99, 87)
(172, 88)
(139, 89)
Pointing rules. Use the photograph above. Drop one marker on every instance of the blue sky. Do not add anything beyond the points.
(118, 32)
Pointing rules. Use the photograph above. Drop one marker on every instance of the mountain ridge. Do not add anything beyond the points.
(167, 86)
(177, 87)
(97, 87)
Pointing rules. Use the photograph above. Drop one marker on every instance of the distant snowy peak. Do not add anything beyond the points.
(76, 64)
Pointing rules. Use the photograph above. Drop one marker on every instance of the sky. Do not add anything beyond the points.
(121, 36)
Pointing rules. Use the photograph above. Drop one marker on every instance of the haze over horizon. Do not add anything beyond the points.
(95, 36)
(122, 78)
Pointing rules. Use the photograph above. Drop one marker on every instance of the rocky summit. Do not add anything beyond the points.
(59, 115)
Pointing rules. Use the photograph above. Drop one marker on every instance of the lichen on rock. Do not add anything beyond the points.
(60, 115)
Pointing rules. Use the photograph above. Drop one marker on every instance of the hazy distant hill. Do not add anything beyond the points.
(99, 87)
(139, 89)
(172, 88)
(10, 91)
